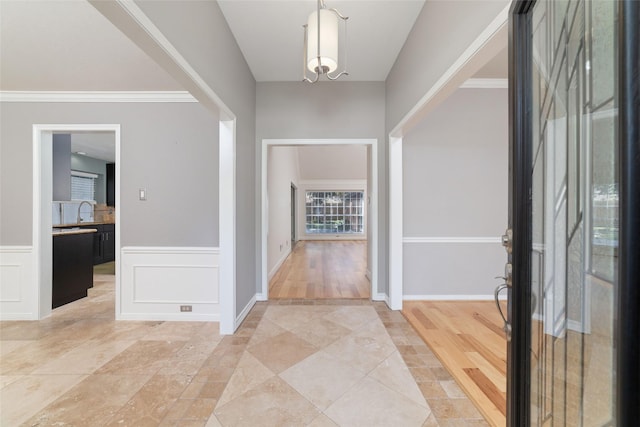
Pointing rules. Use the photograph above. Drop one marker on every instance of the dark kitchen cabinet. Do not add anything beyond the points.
(108, 242)
(97, 243)
(104, 243)
(111, 184)
(72, 268)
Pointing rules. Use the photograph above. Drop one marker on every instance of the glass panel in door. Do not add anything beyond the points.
(574, 223)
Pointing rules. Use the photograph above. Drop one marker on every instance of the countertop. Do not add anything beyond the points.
(58, 231)
(83, 224)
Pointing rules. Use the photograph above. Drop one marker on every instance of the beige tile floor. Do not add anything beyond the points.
(292, 363)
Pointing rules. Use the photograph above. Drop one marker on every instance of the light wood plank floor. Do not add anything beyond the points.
(467, 337)
(323, 269)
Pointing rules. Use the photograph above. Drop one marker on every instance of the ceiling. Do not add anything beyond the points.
(68, 45)
(96, 144)
(270, 34)
(65, 45)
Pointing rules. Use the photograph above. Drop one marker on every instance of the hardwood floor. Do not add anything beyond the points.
(468, 339)
(323, 269)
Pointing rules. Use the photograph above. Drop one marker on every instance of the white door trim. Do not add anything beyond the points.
(395, 224)
(227, 225)
(372, 212)
(42, 197)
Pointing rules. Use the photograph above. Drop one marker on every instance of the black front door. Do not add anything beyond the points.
(574, 220)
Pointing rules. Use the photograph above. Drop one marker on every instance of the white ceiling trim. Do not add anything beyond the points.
(349, 141)
(96, 96)
(485, 84)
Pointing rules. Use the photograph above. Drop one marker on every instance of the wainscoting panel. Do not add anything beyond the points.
(157, 281)
(455, 268)
(18, 287)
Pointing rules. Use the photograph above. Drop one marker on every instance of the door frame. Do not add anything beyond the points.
(294, 214)
(628, 302)
(519, 216)
(627, 409)
(42, 197)
(372, 212)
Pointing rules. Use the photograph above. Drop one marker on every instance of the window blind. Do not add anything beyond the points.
(83, 185)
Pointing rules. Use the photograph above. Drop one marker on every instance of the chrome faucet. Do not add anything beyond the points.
(79, 219)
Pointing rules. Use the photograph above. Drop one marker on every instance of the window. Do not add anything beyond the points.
(83, 185)
(331, 212)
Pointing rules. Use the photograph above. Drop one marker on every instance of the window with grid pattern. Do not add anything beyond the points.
(334, 212)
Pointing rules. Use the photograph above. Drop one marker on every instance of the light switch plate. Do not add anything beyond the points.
(142, 194)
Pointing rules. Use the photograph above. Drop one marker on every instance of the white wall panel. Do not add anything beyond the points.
(18, 297)
(157, 281)
(457, 269)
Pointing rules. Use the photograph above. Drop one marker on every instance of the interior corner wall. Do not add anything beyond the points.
(61, 167)
(282, 171)
(199, 31)
(170, 149)
(329, 110)
(455, 173)
(441, 33)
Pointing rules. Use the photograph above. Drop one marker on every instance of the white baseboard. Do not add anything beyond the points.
(380, 297)
(261, 297)
(245, 311)
(282, 259)
(171, 317)
(157, 281)
(451, 297)
(18, 284)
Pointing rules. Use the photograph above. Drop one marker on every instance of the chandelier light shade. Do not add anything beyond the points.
(328, 42)
(321, 44)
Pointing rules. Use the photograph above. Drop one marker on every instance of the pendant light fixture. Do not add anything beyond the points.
(321, 44)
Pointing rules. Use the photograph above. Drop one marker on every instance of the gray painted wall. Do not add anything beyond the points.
(97, 166)
(61, 152)
(170, 149)
(455, 185)
(202, 36)
(329, 110)
(443, 30)
(282, 172)
(318, 162)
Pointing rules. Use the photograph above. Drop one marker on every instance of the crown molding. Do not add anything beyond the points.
(96, 96)
(485, 84)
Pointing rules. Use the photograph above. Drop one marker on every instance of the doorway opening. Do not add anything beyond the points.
(367, 233)
(43, 212)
